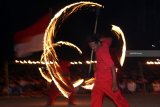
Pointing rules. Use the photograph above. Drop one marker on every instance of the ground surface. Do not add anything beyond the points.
(136, 100)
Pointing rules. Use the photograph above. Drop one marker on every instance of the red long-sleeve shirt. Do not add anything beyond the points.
(104, 61)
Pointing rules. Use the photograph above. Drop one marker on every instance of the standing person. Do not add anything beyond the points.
(105, 74)
(54, 92)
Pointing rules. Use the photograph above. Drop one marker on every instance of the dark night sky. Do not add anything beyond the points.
(139, 20)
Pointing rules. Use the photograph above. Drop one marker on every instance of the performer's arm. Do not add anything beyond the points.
(114, 84)
(115, 59)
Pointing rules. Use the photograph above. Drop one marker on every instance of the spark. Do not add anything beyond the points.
(153, 46)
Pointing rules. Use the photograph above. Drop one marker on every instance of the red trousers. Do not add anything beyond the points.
(102, 88)
(54, 93)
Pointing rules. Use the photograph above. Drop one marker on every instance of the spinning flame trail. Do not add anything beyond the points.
(53, 71)
(49, 54)
(120, 35)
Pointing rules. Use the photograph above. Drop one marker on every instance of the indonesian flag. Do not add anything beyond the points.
(30, 40)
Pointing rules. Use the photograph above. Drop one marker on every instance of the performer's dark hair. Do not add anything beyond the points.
(106, 32)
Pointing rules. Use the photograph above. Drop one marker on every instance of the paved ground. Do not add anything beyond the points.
(137, 100)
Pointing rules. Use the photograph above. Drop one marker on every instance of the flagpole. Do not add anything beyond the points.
(95, 31)
(5, 68)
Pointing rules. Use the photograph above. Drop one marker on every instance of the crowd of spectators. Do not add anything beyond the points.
(28, 82)
(132, 86)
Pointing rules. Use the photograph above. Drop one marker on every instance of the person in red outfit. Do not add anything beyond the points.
(54, 92)
(105, 74)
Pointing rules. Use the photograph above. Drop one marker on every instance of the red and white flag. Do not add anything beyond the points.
(30, 40)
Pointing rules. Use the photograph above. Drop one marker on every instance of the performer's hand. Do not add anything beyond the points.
(114, 87)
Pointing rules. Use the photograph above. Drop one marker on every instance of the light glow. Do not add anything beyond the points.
(49, 54)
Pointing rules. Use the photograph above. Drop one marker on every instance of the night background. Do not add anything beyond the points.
(138, 19)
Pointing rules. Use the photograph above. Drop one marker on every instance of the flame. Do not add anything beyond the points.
(88, 84)
(49, 53)
(90, 81)
(68, 44)
(120, 34)
(88, 87)
(78, 82)
(44, 76)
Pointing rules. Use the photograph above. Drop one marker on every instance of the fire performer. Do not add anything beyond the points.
(54, 92)
(105, 74)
